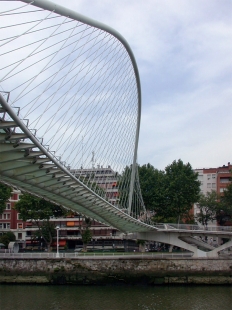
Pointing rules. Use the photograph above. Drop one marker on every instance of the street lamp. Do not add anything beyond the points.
(57, 242)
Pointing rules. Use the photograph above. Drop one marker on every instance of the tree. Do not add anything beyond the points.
(5, 193)
(169, 193)
(182, 188)
(47, 231)
(224, 210)
(208, 205)
(39, 211)
(7, 237)
(85, 232)
(152, 184)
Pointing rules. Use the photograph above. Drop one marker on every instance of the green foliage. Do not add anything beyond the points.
(208, 205)
(5, 193)
(224, 210)
(153, 188)
(86, 236)
(39, 211)
(182, 188)
(151, 183)
(124, 189)
(85, 232)
(169, 193)
(7, 237)
(47, 231)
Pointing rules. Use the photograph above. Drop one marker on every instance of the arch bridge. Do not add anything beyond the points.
(70, 109)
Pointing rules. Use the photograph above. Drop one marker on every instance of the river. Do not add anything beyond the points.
(32, 297)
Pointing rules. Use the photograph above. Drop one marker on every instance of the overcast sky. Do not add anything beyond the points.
(183, 49)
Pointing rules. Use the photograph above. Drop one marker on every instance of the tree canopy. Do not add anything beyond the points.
(208, 206)
(86, 234)
(34, 208)
(7, 237)
(224, 211)
(5, 193)
(39, 211)
(169, 193)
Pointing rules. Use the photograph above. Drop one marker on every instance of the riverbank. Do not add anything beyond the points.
(116, 271)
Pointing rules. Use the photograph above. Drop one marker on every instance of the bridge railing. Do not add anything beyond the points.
(108, 255)
(194, 227)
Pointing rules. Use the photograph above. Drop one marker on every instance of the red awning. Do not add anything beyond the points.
(61, 243)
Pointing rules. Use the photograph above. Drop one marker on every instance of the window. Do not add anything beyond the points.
(18, 216)
(213, 185)
(4, 225)
(224, 180)
(20, 225)
(208, 185)
(8, 206)
(221, 190)
(6, 216)
(208, 176)
(213, 176)
(20, 236)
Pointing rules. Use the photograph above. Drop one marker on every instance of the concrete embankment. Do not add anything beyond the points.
(116, 271)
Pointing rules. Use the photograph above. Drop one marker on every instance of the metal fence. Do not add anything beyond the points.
(109, 255)
(170, 226)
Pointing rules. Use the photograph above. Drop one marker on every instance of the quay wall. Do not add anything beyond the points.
(116, 271)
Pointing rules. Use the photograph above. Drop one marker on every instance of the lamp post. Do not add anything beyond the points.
(57, 242)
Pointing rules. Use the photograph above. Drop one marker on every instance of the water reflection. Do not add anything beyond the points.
(24, 297)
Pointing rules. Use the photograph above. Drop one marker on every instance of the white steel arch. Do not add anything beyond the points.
(65, 78)
(15, 130)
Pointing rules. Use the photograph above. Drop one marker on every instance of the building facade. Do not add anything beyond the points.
(103, 236)
(10, 220)
(105, 178)
(213, 179)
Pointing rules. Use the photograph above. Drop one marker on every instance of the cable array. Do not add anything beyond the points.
(76, 85)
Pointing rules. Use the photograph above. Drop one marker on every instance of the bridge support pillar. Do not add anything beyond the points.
(222, 247)
(172, 238)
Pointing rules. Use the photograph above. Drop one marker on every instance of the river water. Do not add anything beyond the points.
(25, 297)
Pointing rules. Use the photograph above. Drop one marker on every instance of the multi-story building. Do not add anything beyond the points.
(70, 236)
(213, 179)
(103, 177)
(69, 228)
(10, 220)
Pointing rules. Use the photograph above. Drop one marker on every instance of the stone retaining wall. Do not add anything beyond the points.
(116, 271)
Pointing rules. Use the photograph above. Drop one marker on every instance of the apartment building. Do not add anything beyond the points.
(69, 230)
(213, 179)
(10, 220)
(103, 177)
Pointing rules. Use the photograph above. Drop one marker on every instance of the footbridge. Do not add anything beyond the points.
(70, 109)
